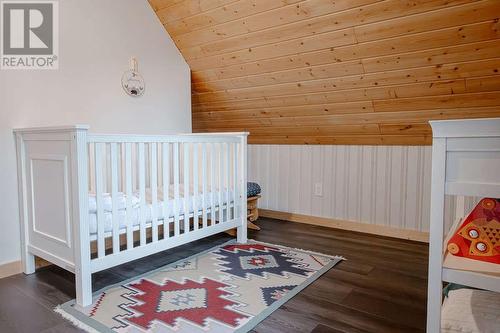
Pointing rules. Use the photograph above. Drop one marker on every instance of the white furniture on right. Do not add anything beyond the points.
(465, 162)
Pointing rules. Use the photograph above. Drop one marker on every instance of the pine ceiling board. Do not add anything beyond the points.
(343, 46)
(422, 22)
(311, 21)
(438, 56)
(316, 110)
(281, 104)
(314, 81)
(397, 91)
(343, 140)
(275, 23)
(161, 4)
(306, 44)
(361, 94)
(405, 129)
(369, 129)
(323, 86)
(186, 8)
(441, 55)
(488, 83)
(438, 102)
(230, 12)
(337, 71)
(392, 117)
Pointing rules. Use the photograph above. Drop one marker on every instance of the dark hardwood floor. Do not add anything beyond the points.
(381, 287)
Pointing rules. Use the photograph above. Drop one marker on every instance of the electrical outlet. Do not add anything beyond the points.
(318, 189)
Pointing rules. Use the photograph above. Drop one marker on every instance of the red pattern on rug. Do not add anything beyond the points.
(216, 306)
(248, 247)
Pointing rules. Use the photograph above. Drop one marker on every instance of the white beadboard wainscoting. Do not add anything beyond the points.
(381, 185)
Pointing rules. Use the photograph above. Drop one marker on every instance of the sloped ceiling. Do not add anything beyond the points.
(337, 71)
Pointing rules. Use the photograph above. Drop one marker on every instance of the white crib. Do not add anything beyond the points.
(90, 202)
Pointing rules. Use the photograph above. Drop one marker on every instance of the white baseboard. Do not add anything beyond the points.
(374, 229)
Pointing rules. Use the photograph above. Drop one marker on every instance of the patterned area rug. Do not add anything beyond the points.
(229, 288)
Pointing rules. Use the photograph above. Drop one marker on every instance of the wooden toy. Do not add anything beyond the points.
(479, 235)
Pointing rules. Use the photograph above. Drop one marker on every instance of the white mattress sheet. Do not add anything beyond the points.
(162, 210)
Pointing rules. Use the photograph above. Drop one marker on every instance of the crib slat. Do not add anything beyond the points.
(204, 182)
(212, 184)
(166, 188)
(121, 167)
(186, 187)
(228, 179)
(176, 190)
(195, 186)
(114, 197)
(142, 194)
(99, 189)
(221, 178)
(91, 166)
(154, 191)
(235, 179)
(128, 189)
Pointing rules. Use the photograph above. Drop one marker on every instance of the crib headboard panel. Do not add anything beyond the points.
(46, 176)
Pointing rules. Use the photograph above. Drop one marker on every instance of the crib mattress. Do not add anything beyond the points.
(163, 210)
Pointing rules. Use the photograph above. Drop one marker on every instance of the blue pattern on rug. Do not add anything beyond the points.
(272, 294)
(270, 261)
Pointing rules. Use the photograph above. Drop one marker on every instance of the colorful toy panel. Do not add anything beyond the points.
(479, 235)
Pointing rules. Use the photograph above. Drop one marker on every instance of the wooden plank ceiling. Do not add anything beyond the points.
(337, 71)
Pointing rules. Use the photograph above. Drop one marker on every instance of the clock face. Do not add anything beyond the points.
(133, 83)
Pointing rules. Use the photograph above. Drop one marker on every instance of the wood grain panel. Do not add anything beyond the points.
(305, 18)
(181, 9)
(398, 117)
(310, 22)
(161, 4)
(230, 12)
(437, 56)
(422, 22)
(359, 94)
(305, 61)
(438, 102)
(315, 82)
(337, 72)
(490, 83)
(372, 129)
(342, 45)
(384, 140)
(317, 109)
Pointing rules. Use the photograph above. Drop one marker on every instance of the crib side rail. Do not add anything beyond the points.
(152, 193)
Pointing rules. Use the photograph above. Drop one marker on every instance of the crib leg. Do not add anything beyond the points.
(28, 263)
(241, 234)
(83, 288)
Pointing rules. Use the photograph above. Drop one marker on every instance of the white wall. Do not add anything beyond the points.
(383, 185)
(97, 38)
(386, 185)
